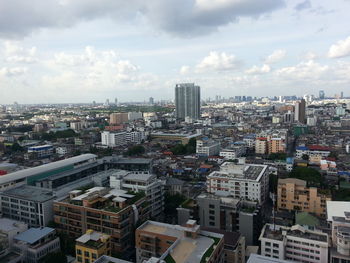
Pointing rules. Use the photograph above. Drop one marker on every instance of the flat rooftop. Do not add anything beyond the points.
(33, 235)
(185, 249)
(251, 172)
(30, 193)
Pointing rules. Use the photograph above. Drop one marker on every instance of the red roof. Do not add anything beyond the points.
(206, 166)
(318, 148)
(262, 138)
(167, 153)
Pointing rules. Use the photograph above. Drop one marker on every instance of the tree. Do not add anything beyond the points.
(310, 175)
(16, 147)
(136, 150)
(57, 257)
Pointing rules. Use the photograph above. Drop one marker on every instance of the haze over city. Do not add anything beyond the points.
(83, 51)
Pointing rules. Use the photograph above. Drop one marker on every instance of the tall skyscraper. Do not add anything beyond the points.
(300, 108)
(187, 101)
(151, 101)
(321, 94)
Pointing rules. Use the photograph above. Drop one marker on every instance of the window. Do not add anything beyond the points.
(94, 256)
(87, 260)
(78, 252)
(80, 259)
(86, 253)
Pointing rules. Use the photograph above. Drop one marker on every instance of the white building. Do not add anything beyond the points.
(135, 136)
(61, 150)
(312, 151)
(41, 150)
(113, 139)
(207, 147)
(8, 230)
(294, 243)
(233, 152)
(145, 182)
(132, 116)
(338, 216)
(76, 125)
(242, 181)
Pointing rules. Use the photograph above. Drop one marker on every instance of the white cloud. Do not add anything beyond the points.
(216, 61)
(304, 70)
(15, 71)
(259, 70)
(14, 53)
(276, 56)
(309, 56)
(184, 70)
(340, 49)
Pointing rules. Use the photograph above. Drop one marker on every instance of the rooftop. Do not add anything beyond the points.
(7, 224)
(337, 209)
(33, 235)
(255, 258)
(185, 249)
(93, 239)
(45, 168)
(30, 193)
(252, 172)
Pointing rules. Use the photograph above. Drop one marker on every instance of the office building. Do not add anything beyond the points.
(338, 216)
(42, 151)
(173, 243)
(299, 112)
(92, 245)
(110, 211)
(29, 204)
(118, 118)
(294, 243)
(187, 101)
(35, 243)
(207, 147)
(294, 195)
(242, 181)
(141, 182)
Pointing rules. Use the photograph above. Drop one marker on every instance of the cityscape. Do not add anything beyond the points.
(142, 148)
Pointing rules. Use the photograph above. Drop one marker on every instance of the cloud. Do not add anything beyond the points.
(14, 53)
(15, 71)
(256, 70)
(216, 61)
(276, 56)
(179, 17)
(309, 56)
(184, 70)
(340, 49)
(303, 5)
(304, 71)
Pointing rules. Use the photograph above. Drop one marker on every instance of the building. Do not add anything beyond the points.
(175, 137)
(113, 139)
(312, 151)
(321, 94)
(294, 195)
(72, 168)
(338, 216)
(187, 101)
(207, 147)
(110, 211)
(92, 245)
(261, 145)
(118, 118)
(233, 152)
(230, 214)
(255, 258)
(174, 243)
(42, 151)
(35, 243)
(299, 112)
(294, 243)
(108, 259)
(76, 125)
(133, 116)
(242, 181)
(141, 182)
(29, 204)
(8, 230)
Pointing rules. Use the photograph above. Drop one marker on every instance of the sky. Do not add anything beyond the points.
(66, 51)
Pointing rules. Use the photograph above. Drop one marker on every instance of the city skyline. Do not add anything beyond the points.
(65, 52)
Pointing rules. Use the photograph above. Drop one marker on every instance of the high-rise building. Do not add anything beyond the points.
(151, 100)
(321, 94)
(187, 101)
(299, 112)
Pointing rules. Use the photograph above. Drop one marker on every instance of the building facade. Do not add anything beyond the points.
(187, 101)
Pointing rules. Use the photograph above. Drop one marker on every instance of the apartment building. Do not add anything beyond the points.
(233, 152)
(141, 182)
(338, 216)
(159, 242)
(113, 139)
(242, 181)
(92, 245)
(313, 151)
(294, 195)
(272, 141)
(294, 243)
(8, 230)
(207, 147)
(35, 243)
(118, 118)
(41, 151)
(110, 211)
(29, 204)
(261, 145)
